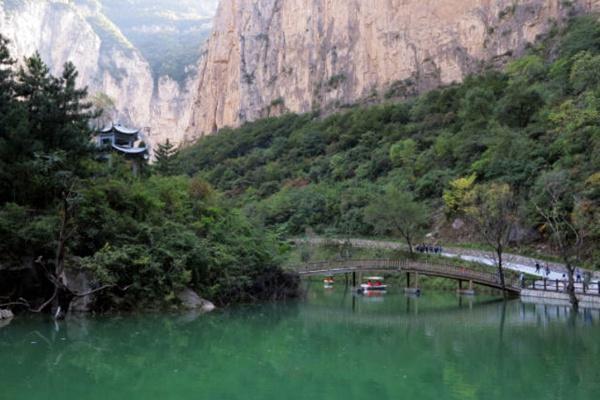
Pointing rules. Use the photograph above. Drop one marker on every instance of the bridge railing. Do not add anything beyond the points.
(444, 270)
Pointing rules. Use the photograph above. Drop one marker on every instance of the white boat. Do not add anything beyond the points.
(373, 284)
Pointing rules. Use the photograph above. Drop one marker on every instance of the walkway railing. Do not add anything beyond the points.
(560, 285)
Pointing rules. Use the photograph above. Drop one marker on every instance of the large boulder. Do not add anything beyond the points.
(458, 224)
(80, 281)
(6, 314)
(191, 301)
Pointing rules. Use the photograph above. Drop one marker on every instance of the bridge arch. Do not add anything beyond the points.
(458, 273)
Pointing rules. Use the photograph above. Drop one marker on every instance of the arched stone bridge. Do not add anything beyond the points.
(458, 273)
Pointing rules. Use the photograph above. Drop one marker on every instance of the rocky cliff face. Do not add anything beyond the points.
(269, 56)
(77, 31)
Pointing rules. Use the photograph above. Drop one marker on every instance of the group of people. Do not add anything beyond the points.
(538, 268)
(429, 249)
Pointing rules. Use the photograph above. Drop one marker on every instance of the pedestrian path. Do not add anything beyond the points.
(510, 265)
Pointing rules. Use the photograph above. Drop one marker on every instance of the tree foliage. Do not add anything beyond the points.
(396, 212)
(165, 158)
(137, 240)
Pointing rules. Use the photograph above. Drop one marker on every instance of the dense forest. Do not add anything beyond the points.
(529, 133)
(137, 240)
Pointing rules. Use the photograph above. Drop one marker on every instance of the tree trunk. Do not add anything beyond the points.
(571, 286)
(409, 242)
(63, 297)
(501, 270)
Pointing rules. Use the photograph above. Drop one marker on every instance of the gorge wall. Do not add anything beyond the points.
(266, 57)
(113, 69)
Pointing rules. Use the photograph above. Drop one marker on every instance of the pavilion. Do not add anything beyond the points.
(122, 140)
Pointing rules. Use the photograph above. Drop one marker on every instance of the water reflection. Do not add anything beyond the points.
(333, 345)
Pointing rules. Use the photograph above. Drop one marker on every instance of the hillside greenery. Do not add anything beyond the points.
(138, 240)
(537, 121)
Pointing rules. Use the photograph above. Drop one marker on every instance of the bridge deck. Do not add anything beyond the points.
(436, 270)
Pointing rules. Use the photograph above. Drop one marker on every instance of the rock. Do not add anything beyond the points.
(458, 224)
(6, 314)
(304, 55)
(190, 300)
(79, 282)
(520, 234)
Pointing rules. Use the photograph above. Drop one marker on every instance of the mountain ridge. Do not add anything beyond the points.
(119, 77)
(269, 57)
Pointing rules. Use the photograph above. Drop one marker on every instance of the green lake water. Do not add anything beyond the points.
(331, 345)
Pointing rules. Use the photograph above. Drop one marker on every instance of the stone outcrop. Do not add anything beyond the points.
(266, 57)
(6, 314)
(77, 31)
(191, 301)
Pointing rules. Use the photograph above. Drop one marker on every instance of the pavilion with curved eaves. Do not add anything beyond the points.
(122, 140)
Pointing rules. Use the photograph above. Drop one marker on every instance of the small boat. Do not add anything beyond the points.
(373, 284)
(328, 281)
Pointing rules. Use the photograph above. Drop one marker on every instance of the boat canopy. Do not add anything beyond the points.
(374, 278)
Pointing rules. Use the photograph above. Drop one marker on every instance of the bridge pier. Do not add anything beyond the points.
(469, 291)
(412, 290)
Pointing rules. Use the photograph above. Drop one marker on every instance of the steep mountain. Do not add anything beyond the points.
(117, 73)
(267, 57)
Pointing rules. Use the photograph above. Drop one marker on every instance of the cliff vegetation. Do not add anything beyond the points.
(511, 134)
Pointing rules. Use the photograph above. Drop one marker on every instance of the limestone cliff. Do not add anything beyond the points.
(268, 56)
(77, 31)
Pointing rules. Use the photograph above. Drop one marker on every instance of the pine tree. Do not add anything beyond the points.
(44, 130)
(6, 81)
(59, 116)
(14, 143)
(165, 158)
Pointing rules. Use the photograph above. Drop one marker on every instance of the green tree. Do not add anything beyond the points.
(6, 81)
(396, 212)
(403, 153)
(519, 105)
(477, 104)
(165, 155)
(492, 210)
(455, 197)
(585, 72)
(563, 217)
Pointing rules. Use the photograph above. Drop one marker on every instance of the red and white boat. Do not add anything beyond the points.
(373, 284)
(328, 282)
